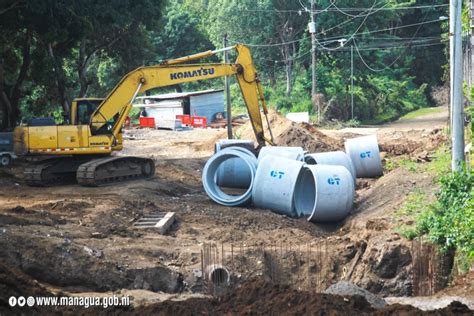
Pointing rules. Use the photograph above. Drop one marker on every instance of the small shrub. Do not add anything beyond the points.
(451, 220)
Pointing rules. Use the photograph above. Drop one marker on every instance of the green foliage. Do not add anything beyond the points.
(408, 232)
(441, 162)
(83, 48)
(449, 223)
(407, 164)
(415, 203)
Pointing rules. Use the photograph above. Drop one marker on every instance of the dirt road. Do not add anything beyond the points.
(74, 240)
(437, 119)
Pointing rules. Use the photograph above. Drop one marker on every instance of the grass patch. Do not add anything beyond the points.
(407, 231)
(415, 204)
(407, 164)
(421, 112)
(441, 162)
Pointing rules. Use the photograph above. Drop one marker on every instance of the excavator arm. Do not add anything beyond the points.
(116, 106)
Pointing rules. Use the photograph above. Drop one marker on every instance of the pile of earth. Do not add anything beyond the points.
(307, 136)
(289, 133)
(259, 297)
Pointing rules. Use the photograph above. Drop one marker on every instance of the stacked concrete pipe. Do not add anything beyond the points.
(332, 158)
(324, 193)
(293, 153)
(365, 155)
(211, 168)
(234, 172)
(318, 186)
(275, 182)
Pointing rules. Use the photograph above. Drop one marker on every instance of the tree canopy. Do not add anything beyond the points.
(52, 51)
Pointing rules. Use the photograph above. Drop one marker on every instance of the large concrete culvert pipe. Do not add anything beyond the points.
(334, 158)
(234, 172)
(324, 193)
(226, 143)
(218, 274)
(294, 153)
(209, 176)
(274, 184)
(365, 155)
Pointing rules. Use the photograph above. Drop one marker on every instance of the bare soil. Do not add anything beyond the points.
(72, 239)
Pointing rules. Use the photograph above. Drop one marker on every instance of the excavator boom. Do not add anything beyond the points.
(118, 103)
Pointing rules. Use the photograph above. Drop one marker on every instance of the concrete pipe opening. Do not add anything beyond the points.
(226, 143)
(218, 275)
(365, 155)
(324, 193)
(334, 158)
(209, 177)
(293, 153)
(234, 172)
(274, 184)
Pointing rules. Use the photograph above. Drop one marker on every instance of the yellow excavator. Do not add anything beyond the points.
(81, 151)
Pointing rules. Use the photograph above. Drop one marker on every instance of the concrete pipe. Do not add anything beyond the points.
(365, 155)
(209, 177)
(225, 143)
(333, 158)
(218, 274)
(293, 153)
(324, 193)
(234, 172)
(275, 182)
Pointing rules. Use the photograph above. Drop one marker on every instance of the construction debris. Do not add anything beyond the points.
(162, 221)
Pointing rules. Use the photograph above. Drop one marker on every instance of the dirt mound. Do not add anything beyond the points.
(288, 133)
(413, 143)
(306, 136)
(348, 289)
(260, 297)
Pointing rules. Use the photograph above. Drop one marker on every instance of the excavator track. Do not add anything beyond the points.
(110, 170)
(52, 171)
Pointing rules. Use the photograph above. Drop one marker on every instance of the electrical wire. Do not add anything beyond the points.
(343, 9)
(333, 4)
(299, 40)
(396, 59)
(386, 29)
(357, 30)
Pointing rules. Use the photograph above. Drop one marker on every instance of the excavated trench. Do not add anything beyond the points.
(74, 267)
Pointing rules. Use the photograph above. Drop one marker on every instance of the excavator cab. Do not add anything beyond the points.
(82, 109)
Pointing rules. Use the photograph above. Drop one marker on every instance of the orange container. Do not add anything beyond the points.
(147, 122)
(185, 119)
(199, 121)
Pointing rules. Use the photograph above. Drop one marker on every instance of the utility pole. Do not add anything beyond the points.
(312, 30)
(352, 81)
(452, 18)
(230, 135)
(457, 131)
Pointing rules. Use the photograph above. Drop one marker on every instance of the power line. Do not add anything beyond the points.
(299, 40)
(418, 40)
(395, 47)
(328, 9)
(396, 59)
(386, 29)
(339, 36)
(357, 30)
